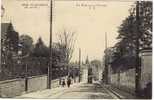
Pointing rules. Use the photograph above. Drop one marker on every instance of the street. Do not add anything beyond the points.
(76, 49)
(86, 91)
(76, 91)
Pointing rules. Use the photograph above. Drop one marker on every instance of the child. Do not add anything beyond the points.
(68, 82)
(63, 83)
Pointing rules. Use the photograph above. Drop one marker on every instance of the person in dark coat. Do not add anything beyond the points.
(68, 81)
(60, 81)
(63, 83)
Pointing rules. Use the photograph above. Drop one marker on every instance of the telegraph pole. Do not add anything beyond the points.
(105, 40)
(138, 67)
(50, 46)
(106, 66)
(26, 77)
(79, 64)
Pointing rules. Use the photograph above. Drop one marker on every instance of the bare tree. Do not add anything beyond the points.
(66, 41)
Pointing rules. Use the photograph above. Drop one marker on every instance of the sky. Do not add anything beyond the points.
(89, 20)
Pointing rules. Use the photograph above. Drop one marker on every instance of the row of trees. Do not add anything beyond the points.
(21, 51)
(123, 53)
(128, 29)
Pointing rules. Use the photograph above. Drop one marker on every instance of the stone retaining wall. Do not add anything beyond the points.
(124, 80)
(37, 83)
(15, 87)
(10, 88)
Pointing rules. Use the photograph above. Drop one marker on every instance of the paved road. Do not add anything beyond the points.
(76, 91)
(85, 91)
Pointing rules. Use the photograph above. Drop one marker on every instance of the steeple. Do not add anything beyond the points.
(87, 60)
(10, 27)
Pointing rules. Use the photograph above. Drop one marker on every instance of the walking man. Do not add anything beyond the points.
(63, 83)
(68, 81)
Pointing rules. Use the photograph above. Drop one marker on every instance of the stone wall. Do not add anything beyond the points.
(124, 80)
(146, 68)
(37, 83)
(10, 88)
(15, 87)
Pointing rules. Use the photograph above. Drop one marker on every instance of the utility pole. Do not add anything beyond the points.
(50, 56)
(138, 67)
(105, 40)
(79, 64)
(26, 76)
(106, 66)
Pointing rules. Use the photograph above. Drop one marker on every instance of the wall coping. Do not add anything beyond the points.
(146, 50)
(20, 79)
(36, 76)
(11, 80)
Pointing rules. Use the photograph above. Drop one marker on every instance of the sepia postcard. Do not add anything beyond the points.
(76, 49)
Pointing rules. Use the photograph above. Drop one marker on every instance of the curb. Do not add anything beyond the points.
(113, 94)
(119, 95)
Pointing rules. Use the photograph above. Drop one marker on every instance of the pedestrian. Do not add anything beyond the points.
(68, 81)
(60, 81)
(63, 83)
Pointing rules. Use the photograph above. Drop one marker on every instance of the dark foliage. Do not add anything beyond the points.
(128, 35)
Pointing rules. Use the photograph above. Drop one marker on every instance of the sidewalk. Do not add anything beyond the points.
(119, 93)
(47, 93)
